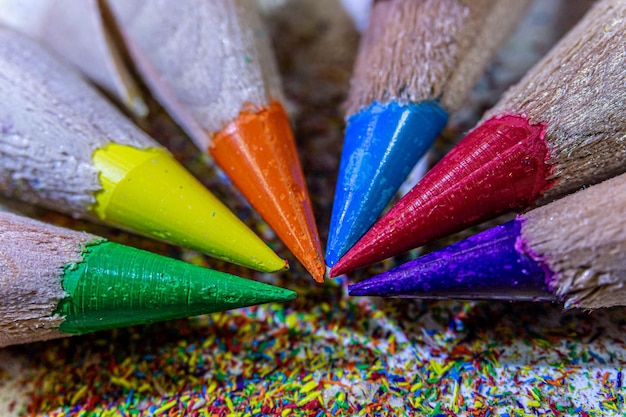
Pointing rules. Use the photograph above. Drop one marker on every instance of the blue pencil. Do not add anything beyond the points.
(417, 62)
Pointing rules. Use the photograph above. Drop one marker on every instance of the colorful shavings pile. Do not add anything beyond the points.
(328, 355)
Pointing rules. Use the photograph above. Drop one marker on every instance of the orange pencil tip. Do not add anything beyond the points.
(258, 153)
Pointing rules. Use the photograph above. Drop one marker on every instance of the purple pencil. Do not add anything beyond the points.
(572, 250)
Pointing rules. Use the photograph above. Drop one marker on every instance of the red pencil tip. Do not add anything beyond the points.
(499, 166)
(257, 151)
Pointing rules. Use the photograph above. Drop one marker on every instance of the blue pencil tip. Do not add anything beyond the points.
(382, 144)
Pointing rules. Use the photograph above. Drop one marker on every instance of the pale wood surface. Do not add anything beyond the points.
(77, 31)
(582, 239)
(32, 260)
(428, 50)
(204, 61)
(51, 122)
(578, 91)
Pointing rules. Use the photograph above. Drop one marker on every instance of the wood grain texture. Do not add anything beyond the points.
(578, 91)
(77, 31)
(582, 239)
(51, 122)
(32, 258)
(205, 61)
(416, 50)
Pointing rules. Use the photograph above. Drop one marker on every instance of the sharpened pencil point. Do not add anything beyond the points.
(148, 191)
(257, 151)
(489, 265)
(116, 286)
(499, 166)
(382, 144)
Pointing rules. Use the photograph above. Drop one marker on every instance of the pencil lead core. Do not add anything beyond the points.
(257, 151)
(148, 191)
(383, 142)
(116, 286)
(499, 166)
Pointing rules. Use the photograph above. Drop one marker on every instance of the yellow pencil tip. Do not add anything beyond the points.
(149, 192)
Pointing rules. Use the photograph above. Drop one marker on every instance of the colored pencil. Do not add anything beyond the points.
(417, 62)
(561, 128)
(571, 250)
(76, 31)
(210, 65)
(65, 147)
(58, 282)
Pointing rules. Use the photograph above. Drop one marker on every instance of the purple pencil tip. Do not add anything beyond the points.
(485, 266)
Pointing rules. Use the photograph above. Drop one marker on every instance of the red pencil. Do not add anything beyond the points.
(561, 128)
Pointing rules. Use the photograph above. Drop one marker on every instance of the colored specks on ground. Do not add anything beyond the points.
(325, 354)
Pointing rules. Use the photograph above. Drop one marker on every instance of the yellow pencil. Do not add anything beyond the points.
(64, 147)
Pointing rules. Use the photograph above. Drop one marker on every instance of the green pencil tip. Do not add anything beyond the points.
(117, 286)
(270, 294)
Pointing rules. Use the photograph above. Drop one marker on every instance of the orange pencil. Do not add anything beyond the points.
(210, 65)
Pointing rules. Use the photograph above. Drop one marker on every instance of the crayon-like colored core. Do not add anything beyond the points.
(115, 162)
(499, 166)
(258, 153)
(149, 192)
(116, 286)
(489, 265)
(382, 144)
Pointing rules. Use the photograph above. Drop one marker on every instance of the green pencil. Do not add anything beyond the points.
(57, 282)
